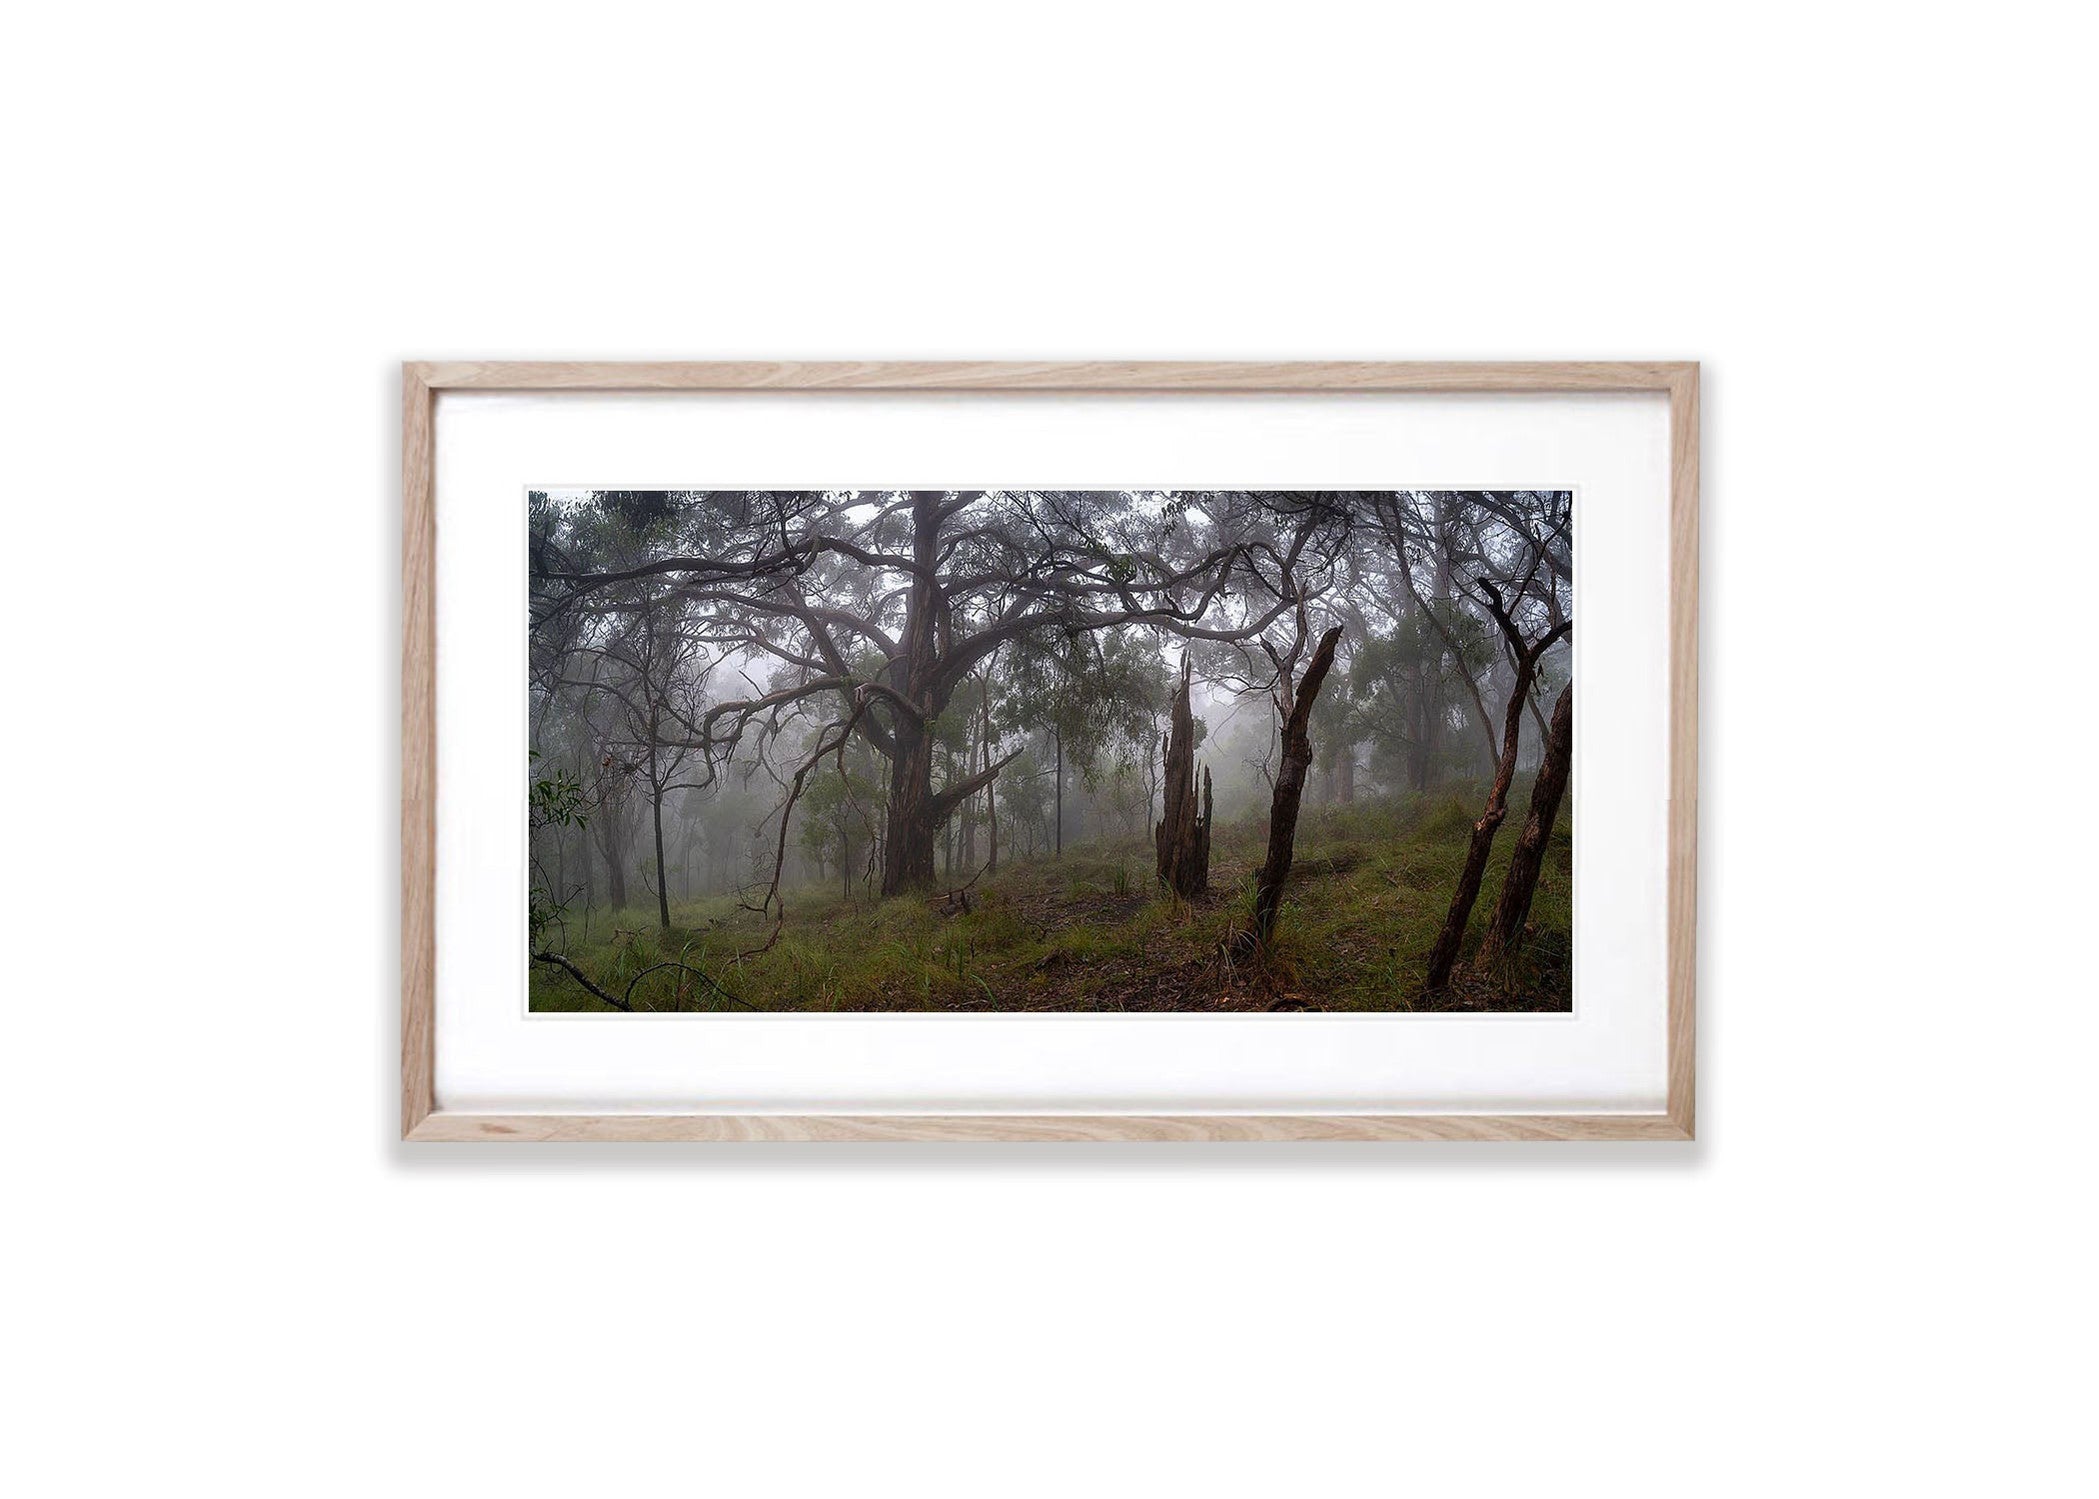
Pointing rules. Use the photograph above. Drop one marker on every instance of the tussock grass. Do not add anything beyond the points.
(1367, 895)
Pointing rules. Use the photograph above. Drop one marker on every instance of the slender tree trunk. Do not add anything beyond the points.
(947, 832)
(1440, 552)
(1289, 792)
(1432, 727)
(1421, 752)
(1505, 929)
(590, 884)
(663, 889)
(1348, 775)
(1060, 796)
(1444, 956)
(991, 790)
(614, 847)
(968, 813)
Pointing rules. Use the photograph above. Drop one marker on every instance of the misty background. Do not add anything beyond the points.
(753, 700)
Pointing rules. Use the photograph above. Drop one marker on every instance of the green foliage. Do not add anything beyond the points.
(1025, 793)
(1089, 688)
(837, 812)
(555, 800)
(1402, 683)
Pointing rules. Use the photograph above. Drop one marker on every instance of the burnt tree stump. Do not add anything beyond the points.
(1183, 833)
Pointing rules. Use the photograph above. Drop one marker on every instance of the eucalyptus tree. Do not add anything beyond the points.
(1401, 688)
(640, 672)
(879, 605)
(1089, 691)
(1338, 726)
(1025, 801)
(1505, 928)
(1439, 648)
(1326, 524)
(1294, 703)
(1520, 552)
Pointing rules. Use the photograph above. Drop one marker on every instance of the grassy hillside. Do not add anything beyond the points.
(1091, 931)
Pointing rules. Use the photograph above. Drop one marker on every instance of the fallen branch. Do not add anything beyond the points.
(764, 947)
(957, 897)
(699, 973)
(625, 1002)
(580, 977)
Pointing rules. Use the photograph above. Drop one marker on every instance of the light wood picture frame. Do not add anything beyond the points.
(422, 383)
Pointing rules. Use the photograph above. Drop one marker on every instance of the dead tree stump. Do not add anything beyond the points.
(1183, 834)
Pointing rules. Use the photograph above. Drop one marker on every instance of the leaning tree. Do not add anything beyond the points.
(878, 606)
(1523, 557)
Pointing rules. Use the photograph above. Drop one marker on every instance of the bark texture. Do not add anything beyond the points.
(1289, 792)
(1183, 833)
(1505, 930)
(907, 844)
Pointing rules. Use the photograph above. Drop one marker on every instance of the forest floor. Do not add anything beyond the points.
(1093, 931)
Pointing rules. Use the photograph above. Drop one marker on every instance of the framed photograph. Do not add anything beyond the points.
(1049, 751)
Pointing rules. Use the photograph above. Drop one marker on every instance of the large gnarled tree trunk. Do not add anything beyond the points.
(907, 844)
(917, 813)
(1505, 929)
(1289, 792)
(1183, 833)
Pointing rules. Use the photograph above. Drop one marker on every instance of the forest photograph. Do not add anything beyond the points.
(1037, 751)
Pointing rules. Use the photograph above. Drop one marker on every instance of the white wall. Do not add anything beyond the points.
(229, 224)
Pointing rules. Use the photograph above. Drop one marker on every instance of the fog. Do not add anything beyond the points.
(681, 704)
(775, 697)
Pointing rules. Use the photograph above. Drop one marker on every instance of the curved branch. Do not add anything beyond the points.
(699, 973)
(582, 978)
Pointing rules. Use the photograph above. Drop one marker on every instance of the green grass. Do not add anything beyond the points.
(1093, 931)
